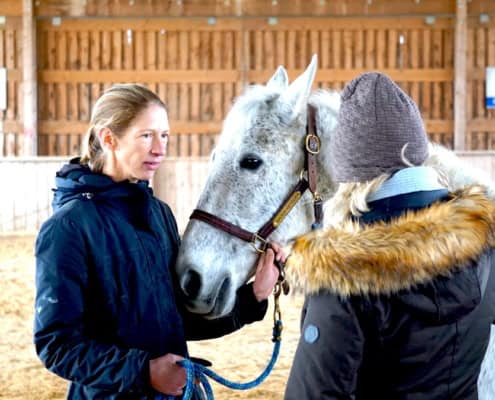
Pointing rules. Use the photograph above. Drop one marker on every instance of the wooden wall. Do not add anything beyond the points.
(199, 68)
(198, 64)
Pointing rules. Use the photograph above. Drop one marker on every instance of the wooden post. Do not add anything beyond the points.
(460, 76)
(29, 80)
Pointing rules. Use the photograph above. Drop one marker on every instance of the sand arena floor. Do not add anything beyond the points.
(240, 356)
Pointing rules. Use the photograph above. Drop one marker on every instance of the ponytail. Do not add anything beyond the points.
(93, 154)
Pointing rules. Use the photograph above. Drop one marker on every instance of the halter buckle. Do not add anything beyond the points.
(263, 243)
(312, 144)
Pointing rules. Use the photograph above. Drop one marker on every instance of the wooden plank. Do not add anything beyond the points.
(414, 59)
(314, 43)
(480, 61)
(460, 76)
(195, 102)
(437, 63)
(336, 46)
(11, 8)
(10, 63)
(116, 50)
(58, 127)
(269, 50)
(348, 49)
(106, 50)
(151, 46)
(172, 75)
(258, 50)
(370, 55)
(291, 49)
(184, 97)
(29, 83)
(129, 38)
(2, 47)
(229, 62)
(142, 24)
(304, 57)
(448, 89)
(434, 126)
(342, 24)
(139, 50)
(426, 85)
(344, 75)
(325, 49)
(392, 48)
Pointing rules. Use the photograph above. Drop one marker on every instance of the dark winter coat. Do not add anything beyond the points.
(105, 302)
(399, 303)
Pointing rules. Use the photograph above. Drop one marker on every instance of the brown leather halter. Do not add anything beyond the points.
(259, 239)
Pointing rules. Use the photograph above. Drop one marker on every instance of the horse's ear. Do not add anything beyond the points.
(279, 80)
(298, 92)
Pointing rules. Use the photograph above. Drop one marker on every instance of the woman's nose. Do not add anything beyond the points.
(159, 146)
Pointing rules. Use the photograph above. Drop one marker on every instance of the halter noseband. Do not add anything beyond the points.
(259, 239)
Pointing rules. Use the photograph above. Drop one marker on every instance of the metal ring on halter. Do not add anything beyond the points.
(264, 243)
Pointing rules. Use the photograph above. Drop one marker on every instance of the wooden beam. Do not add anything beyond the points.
(177, 127)
(460, 102)
(346, 74)
(29, 83)
(10, 8)
(142, 75)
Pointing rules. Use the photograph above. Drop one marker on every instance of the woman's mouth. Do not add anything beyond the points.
(152, 165)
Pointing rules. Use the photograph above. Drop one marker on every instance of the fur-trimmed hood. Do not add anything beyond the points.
(384, 258)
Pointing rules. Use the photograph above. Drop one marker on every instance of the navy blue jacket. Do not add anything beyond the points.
(105, 288)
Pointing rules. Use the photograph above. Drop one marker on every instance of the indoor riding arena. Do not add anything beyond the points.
(58, 56)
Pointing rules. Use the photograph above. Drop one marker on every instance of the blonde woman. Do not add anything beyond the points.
(107, 318)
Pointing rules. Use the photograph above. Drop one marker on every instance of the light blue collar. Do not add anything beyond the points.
(407, 180)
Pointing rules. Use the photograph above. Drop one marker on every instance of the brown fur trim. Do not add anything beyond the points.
(384, 258)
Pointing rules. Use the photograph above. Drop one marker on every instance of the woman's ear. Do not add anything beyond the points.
(107, 138)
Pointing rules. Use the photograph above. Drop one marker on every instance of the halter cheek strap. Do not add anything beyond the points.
(259, 239)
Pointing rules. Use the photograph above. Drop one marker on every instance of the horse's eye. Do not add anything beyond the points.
(251, 162)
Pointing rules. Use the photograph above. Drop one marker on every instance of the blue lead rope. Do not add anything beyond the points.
(197, 382)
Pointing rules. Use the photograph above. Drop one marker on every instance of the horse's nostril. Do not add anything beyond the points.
(191, 284)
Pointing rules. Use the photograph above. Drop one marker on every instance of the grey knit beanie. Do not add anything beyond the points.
(376, 120)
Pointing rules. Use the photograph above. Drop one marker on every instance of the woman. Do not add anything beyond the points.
(401, 283)
(107, 317)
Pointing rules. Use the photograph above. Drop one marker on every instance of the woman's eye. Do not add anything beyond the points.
(251, 163)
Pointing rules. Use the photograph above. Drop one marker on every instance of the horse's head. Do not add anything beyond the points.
(258, 160)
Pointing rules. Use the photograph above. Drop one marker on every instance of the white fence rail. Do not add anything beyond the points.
(25, 197)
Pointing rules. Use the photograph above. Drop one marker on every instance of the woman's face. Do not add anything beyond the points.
(140, 150)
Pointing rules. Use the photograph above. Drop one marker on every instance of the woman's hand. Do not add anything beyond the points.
(267, 273)
(166, 376)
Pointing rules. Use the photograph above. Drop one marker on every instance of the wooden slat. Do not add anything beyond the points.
(344, 75)
(439, 126)
(460, 76)
(370, 53)
(146, 76)
(58, 127)
(348, 49)
(141, 24)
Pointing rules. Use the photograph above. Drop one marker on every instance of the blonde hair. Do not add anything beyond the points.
(116, 109)
(350, 199)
